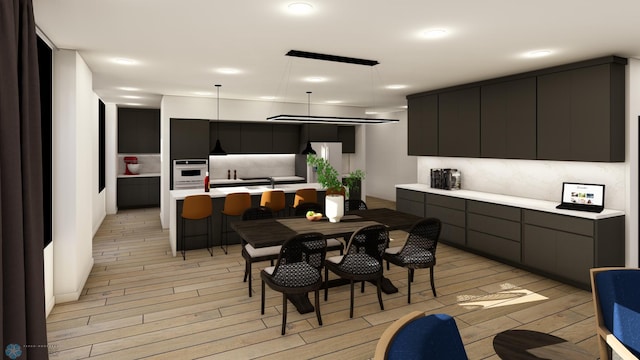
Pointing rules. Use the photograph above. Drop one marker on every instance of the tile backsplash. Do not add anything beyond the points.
(534, 179)
(254, 165)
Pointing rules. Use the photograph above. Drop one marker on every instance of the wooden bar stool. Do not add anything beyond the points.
(196, 207)
(274, 200)
(234, 205)
(308, 195)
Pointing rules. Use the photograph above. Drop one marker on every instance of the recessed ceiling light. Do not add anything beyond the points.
(371, 112)
(315, 79)
(126, 88)
(396, 86)
(203, 93)
(228, 71)
(538, 53)
(300, 8)
(334, 101)
(267, 97)
(434, 33)
(124, 61)
(133, 104)
(131, 97)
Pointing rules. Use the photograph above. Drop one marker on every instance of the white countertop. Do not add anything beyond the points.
(139, 175)
(526, 203)
(253, 190)
(241, 181)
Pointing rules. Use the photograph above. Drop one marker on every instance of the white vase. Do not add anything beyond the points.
(334, 207)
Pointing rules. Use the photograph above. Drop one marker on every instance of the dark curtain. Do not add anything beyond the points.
(21, 216)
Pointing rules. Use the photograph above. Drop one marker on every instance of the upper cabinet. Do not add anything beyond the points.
(423, 125)
(286, 139)
(581, 114)
(508, 119)
(347, 136)
(256, 138)
(189, 139)
(138, 131)
(459, 123)
(569, 112)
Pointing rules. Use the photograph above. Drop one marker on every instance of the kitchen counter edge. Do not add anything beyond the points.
(253, 190)
(515, 201)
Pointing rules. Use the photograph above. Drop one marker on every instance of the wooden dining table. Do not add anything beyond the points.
(271, 232)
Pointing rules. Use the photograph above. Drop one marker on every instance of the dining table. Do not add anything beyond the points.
(271, 232)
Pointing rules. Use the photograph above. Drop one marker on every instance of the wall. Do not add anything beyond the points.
(78, 209)
(233, 110)
(632, 158)
(111, 157)
(387, 161)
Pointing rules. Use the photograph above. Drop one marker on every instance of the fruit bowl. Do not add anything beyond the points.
(314, 217)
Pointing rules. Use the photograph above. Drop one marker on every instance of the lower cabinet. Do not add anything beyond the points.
(410, 201)
(451, 212)
(494, 229)
(138, 192)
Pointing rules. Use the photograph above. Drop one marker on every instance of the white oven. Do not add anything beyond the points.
(189, 173)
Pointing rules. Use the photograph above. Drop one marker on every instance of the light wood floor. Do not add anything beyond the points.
(140, 302)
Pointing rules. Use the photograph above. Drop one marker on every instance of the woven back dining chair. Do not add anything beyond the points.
(252, 254)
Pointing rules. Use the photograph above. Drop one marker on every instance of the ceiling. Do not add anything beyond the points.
(180, 46)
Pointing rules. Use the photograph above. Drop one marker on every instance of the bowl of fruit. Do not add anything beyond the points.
(313, 216)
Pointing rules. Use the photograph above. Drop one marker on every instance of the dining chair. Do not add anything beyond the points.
(196, 207)
(418, 251)
(354, 204)
(306, 195)
(297, 271)
(420, 337)
(616, 301)
(302, 209)
(252, 254)
(235, 204)
(274, 200)
(361, 262)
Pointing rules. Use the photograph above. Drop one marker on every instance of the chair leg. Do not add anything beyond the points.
(387, 265)
(209, 246)
(326, 283)
(262, 299)
(379, 285)
(284, 312)
(318, 307)
(433, 286)
(409, 280)
(362, 286)
(182, 242)
(248, 275)
(351, 303)
(223, 233)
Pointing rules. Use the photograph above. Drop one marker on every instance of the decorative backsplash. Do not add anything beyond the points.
(534, 179)
(254, 165)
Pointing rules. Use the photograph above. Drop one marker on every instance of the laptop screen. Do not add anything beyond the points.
(583, 194)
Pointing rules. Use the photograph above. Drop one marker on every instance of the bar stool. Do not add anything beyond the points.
(308, 195)
(196, 207)
(234, 205)
(274, 200)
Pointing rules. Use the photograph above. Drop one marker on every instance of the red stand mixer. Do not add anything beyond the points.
(129, 160)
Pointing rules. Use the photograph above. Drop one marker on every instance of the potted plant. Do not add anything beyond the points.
(330, 179)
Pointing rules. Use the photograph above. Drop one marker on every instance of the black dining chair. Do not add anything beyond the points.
(252, 254)
(297, 271)
(354, 204)
(362, 261)
(418, 251)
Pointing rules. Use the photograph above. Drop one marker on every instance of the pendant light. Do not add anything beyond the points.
(217, 150)
(308, 150)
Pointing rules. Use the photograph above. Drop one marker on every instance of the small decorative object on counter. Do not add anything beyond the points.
(447, 179)
(206, 182)
(228, 174)
(235, 175)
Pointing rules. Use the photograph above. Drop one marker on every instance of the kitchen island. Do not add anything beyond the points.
(196, 231)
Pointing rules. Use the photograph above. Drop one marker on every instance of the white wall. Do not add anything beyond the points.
(234, 110)
(111, 157)
(632, 157)
(78, 209)
(387, 161)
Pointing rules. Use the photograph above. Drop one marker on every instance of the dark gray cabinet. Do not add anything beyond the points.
(256, 138)
(286, 139)
(137, 192)
(138, 131)
(189, 139)
(229, 134)
(508, 119)
(318, 132)
(410, 202)
(422, 129)
(451, 212)
(494, 230)
(347, 136)
(459, 123)
(581, 114)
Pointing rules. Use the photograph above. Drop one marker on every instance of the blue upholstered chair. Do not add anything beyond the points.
(616, 298)
(416, 336)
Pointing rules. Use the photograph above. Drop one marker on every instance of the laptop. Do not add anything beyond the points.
(582, 197)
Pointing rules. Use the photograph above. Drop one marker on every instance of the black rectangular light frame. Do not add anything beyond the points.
(330, 119)
(336, 58)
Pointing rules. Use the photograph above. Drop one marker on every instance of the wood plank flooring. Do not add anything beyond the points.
(141, 302)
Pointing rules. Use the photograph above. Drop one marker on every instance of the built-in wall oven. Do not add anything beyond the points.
(189, 173)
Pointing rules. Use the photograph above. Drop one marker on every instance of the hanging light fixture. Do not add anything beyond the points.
(308, 150)
(217, 150)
